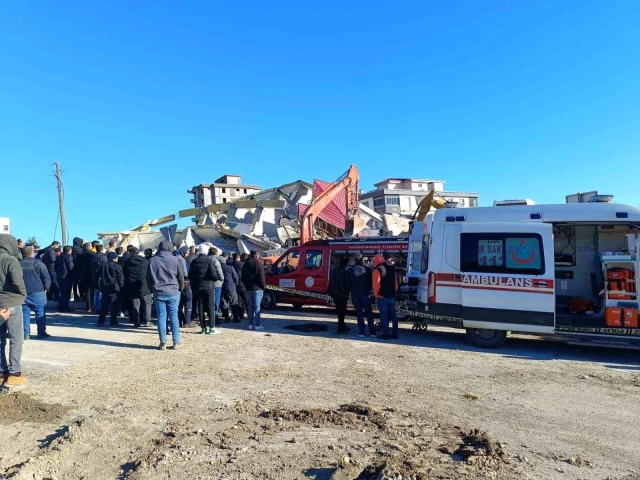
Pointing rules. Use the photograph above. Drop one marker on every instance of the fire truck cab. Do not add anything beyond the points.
(301, 275)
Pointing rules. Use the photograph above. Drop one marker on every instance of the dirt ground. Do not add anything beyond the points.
(280, 404)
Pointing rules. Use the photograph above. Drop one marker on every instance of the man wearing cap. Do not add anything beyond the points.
(359, 281)
(110, 281)
(166, 278)
(37, 281)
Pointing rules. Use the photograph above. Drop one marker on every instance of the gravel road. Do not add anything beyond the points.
(104, 404)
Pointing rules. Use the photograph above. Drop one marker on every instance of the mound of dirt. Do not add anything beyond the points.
(17, 407)
(350, 414)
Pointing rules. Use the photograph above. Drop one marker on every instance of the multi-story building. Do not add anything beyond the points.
(403, 195)
(225, 189)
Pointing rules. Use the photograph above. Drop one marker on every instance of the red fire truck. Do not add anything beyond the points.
(301, 275)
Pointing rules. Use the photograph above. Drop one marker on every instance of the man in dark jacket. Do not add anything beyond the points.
(111, 282)
(186, 295)
(359, 284)
(254, 282)
(122, 261)
(385, 286)
(166, 278)
(64, 274)
(48, 257)
(12, 296)
(76, 252)
(229, 291)
(136, 286)
(243, 301)
(84, 275)
(98, 259)
(202, 277)
(37, 282)
(339, 291)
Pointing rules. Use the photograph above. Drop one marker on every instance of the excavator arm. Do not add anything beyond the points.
(426, 204)
(347, 183)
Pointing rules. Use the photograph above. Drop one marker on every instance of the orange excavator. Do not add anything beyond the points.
(347, 183)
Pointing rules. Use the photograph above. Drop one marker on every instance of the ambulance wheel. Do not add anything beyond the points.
(269, 301)
(297, 306)
(486, 338)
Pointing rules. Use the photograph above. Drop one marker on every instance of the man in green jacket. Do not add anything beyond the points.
(12, 296)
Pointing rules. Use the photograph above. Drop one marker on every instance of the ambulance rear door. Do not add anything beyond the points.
(507, 276)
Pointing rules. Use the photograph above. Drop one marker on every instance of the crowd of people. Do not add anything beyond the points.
(358, 281)
(178, 285)
(182, 285)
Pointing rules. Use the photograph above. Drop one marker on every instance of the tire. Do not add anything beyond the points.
(297, 306)
(486, 338)
(269, 301)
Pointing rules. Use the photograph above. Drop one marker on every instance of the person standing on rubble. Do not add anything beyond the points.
(137, 289)
(202, 277)
(359, 282)
(254, 282)
(339, 292)
(12, 296)
(166, 279)
(64, 273)
(385, 286)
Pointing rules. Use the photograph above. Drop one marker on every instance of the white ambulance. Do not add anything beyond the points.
(568, 269)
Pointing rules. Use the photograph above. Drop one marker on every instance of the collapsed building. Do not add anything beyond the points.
(239, 217)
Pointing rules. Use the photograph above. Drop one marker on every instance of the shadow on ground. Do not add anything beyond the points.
(517, 347)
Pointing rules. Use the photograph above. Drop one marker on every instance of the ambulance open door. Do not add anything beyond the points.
(507, 276)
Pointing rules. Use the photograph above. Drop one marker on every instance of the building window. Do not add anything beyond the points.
(518, 253)
(224, 200)
(378, 202)
(473, 202)
(393, 201)
(419, 185)
(224, 190)
(245, 191)
(407, 203)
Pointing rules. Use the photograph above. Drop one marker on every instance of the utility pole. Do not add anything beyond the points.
(63, 223)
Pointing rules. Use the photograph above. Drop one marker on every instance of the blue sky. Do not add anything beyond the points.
(140, 101)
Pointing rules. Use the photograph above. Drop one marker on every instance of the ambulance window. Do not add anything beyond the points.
(502, 253)
(425, 254)
(313, 259)
(289, 263)
(416, 255)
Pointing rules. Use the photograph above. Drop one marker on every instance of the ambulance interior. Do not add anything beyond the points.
(595, 274)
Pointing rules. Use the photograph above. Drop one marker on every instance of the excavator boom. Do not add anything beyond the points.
(347, 183)
(426, 204)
